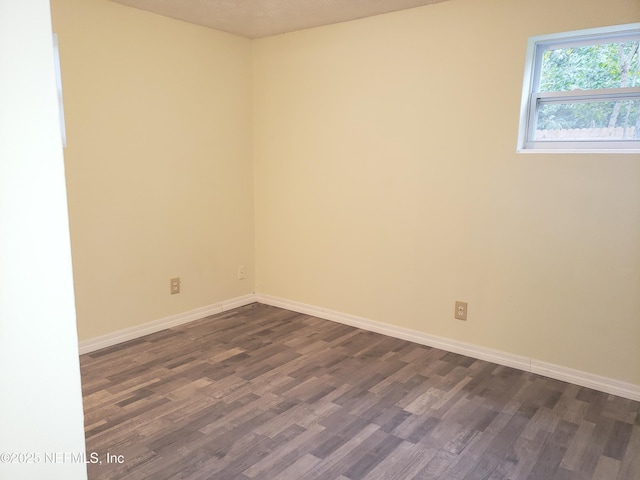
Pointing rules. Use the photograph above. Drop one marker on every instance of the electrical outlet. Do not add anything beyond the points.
(175, 285)
(461, 311)
(241, 273)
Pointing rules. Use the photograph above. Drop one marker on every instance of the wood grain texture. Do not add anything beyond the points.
(264, 393)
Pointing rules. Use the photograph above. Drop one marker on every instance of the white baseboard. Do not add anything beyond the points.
(585, 379)
(577, 377)
(120, 336)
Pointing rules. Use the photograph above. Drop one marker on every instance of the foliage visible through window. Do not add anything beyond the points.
(582, 91)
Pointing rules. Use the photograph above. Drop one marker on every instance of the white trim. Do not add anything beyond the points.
(558, 372)
(120, 336)
(577, 377)
(586, 379)
(589, 36)
(56, 61)
(613, 151)
(239, 302)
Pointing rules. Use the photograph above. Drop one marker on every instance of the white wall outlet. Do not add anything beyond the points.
(461, 310)
(174, 284)
(241, 273)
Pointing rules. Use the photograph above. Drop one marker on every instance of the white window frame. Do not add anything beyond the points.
(532, 99)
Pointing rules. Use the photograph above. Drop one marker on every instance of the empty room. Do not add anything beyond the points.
(320, 240)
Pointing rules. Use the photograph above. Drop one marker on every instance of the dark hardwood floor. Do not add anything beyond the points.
(265, 393)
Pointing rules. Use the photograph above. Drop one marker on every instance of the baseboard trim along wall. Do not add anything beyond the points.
(577, 377)
(103, 341)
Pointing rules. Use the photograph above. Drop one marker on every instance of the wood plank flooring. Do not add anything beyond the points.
(265, 393)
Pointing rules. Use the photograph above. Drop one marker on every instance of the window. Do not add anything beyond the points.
(581, 92)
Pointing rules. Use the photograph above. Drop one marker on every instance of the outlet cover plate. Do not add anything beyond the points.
(461, 311)
(174, 284)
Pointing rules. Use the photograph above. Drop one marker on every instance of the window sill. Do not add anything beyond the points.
(607, 151)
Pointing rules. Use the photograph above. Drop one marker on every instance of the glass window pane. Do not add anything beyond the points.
(599, 121)
(607, 65)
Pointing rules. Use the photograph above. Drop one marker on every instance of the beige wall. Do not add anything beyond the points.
(386, 180)
(387, 185)
(158, 162)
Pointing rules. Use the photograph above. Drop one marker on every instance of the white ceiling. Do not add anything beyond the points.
(260, 18)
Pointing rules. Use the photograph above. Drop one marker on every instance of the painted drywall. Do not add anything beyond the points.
(40, 396)
(158, 163)
(387, 186)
